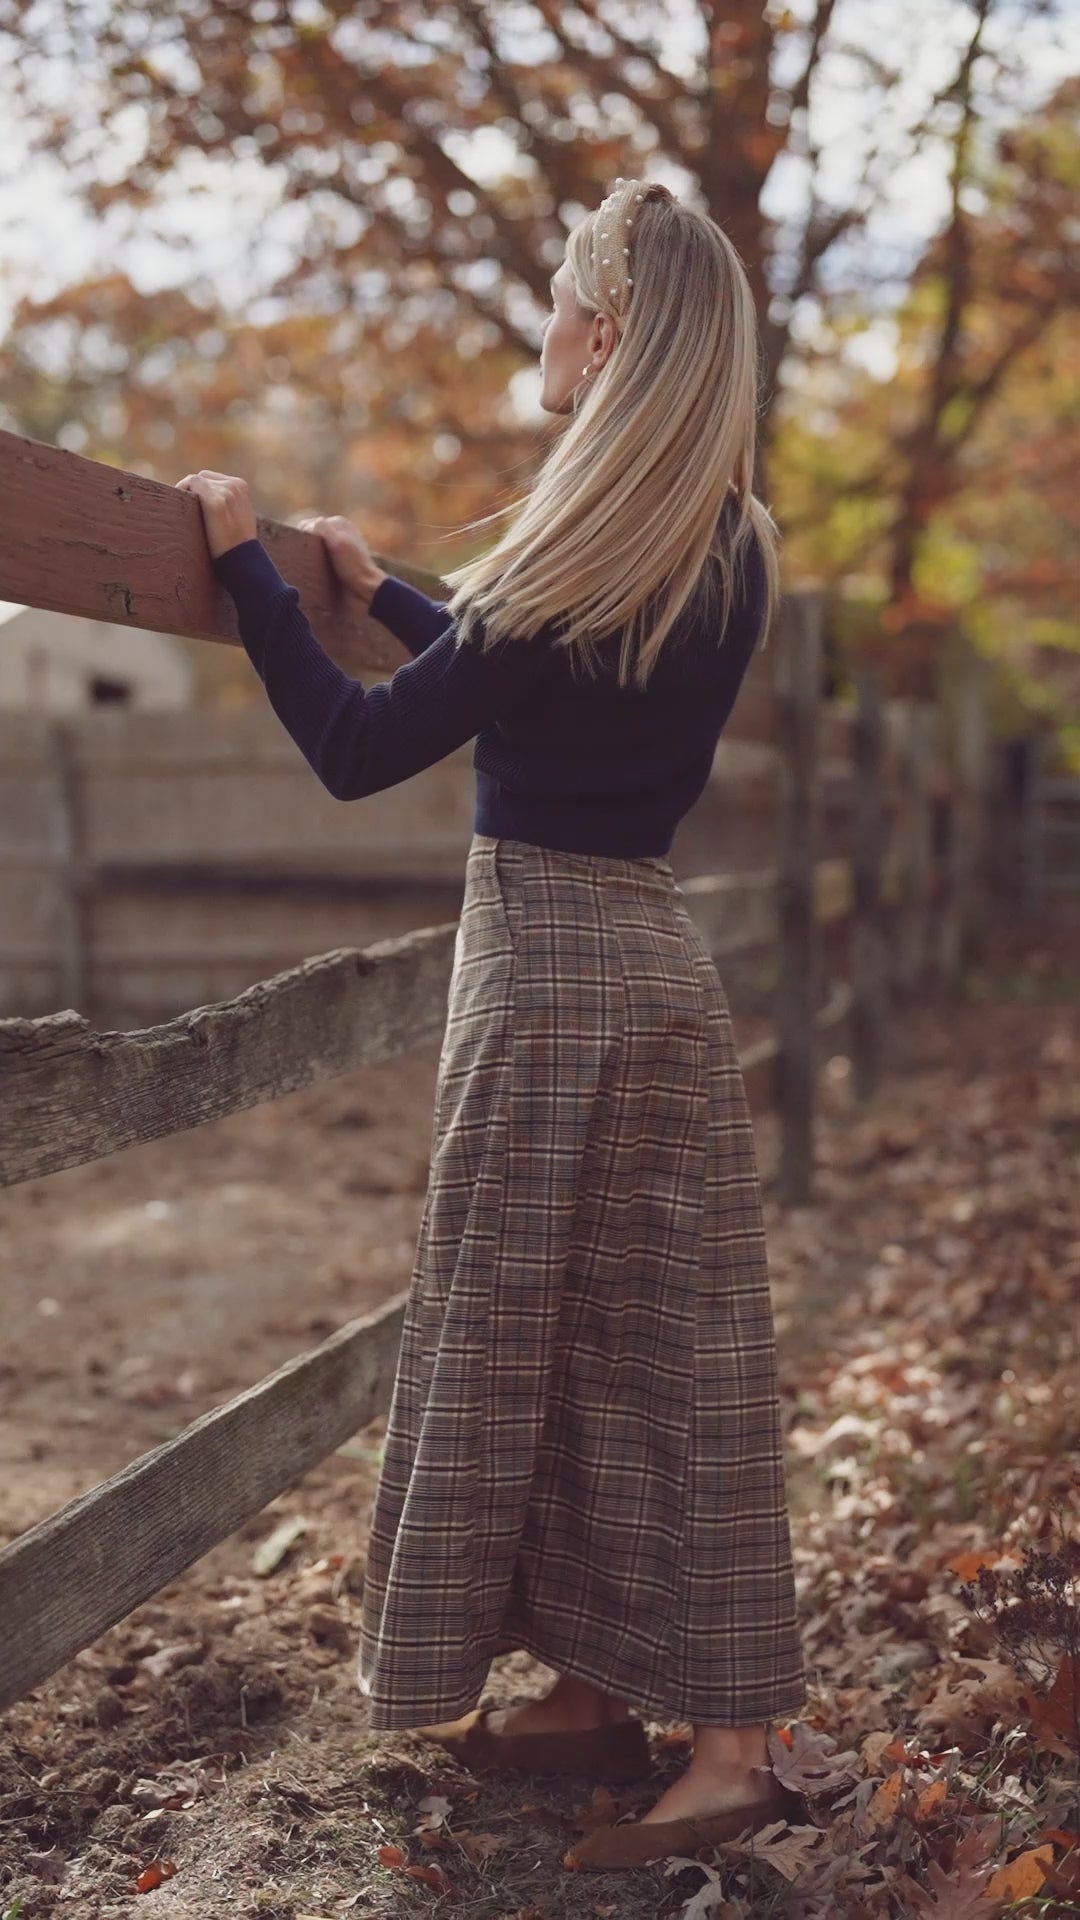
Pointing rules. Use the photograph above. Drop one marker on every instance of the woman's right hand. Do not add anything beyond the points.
(351, 559)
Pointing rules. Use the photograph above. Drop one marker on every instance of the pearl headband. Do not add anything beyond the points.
(611, 232)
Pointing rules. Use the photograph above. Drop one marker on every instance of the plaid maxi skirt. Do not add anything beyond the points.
(583, 1455)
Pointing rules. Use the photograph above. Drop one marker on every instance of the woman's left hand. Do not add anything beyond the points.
(228, 514)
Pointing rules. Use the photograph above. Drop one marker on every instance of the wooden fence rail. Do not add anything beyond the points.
(72, 1094)
(66, 1581)
(69, 1093)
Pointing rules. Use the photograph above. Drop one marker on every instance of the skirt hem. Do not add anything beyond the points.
(781, 1703)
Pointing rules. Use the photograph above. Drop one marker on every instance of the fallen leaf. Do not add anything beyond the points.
(271, 1551)
(812, 1764)
(710, 1898)
(872, 1749)
(786, 1848)
(480, 1847)
(931, 1798)
(1061, 1835)
(433, 1877)
(153, 1875)
(882, 1807)
(433, 1810)
(185, 1653)
(966, 1566)
(1054, 1716)
(961, 1891)
(390, 1857)
(602, 1810)
(968, 1693)
(1021, 1877)
(1065, 1879)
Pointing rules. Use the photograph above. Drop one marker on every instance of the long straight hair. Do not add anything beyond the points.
(645, 501)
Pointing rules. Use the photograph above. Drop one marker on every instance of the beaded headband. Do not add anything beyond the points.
(612, 231)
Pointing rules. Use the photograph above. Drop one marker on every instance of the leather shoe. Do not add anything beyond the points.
(633, 1844)
(615, 1753)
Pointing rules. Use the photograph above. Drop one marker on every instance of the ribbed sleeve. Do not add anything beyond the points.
(360, 741)
(408, 614)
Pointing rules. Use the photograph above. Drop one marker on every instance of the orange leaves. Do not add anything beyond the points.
(433, 1877)
(1064, 1877)
(153, 1875)
(882, 1807)
(432, 1831)
(899, 1794)
(1022, 1877)
(930, 1800)
(966, 1566)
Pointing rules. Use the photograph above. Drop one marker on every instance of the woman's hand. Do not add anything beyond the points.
(349, 555)
(228, 514)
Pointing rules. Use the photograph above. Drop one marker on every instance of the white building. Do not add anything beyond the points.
(61, 663)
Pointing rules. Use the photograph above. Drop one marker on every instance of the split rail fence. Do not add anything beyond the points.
(84, 538)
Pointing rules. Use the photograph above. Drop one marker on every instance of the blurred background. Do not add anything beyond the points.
(310, 243)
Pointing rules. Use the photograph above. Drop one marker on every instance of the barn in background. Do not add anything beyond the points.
(56, 663)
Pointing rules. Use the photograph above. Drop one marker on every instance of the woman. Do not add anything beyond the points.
(583, 1454)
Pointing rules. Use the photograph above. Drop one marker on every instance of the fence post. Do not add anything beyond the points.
(1029, 838)
(963, 907)
(918, 856)
(797, 687)
(66, 849)
(869, 946)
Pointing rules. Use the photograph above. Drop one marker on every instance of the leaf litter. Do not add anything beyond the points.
(209, 1753)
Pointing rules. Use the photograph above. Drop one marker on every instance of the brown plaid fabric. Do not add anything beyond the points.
(584, 1451)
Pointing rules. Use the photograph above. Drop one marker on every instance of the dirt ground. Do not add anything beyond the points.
(214, 1742)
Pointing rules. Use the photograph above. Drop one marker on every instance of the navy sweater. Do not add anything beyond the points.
(561, 760)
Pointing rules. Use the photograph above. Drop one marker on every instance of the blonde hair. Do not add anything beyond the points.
(625, 522)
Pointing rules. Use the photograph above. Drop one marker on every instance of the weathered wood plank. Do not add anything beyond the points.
(961, 924)
(71, 1094)
(913, 943)
(85, 538)
(798, 697)
(65, 1582)
(67, 855)
(869, 945)
(734, 911)
(759, 1063)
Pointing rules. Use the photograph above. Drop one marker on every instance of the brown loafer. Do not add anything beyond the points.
(634, 1844)
(614, 1754)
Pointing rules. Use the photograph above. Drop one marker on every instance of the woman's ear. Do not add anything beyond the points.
(604, 335)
